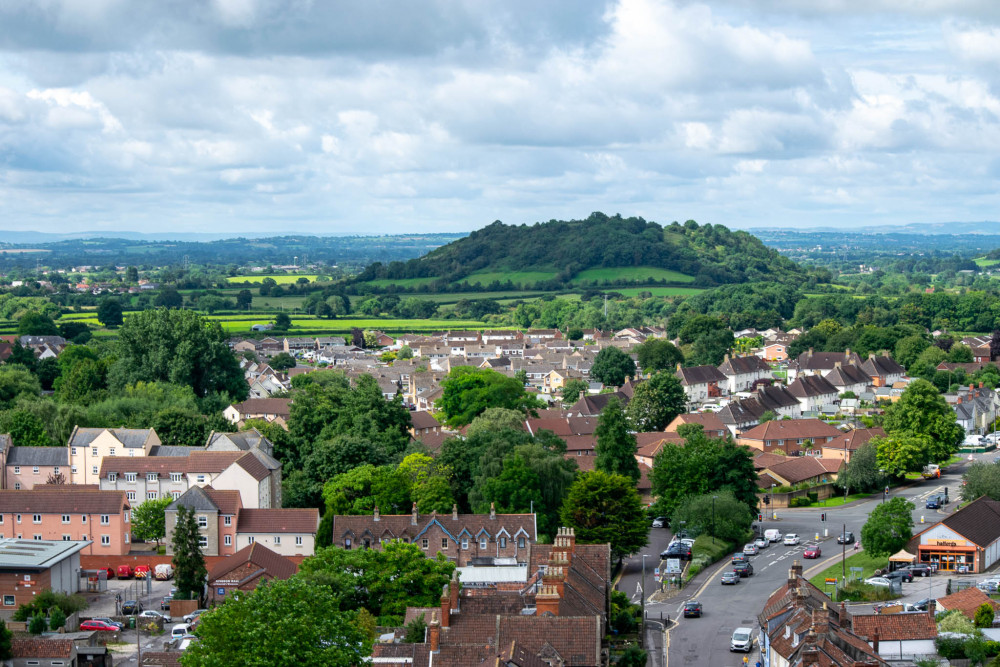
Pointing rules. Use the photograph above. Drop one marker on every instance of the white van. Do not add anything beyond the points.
(772, 535)
(742, 640)
(180, 630)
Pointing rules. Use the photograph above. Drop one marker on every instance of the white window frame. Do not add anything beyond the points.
(484, 543)
(130, 495)
(105, 540)
(35, 470)
(277, 540)
(130, 477)
(17, 470)
(112, 477)
(227, 540)
(227, 520)
(105, 519)
(66, 518)
(202, 521)
(152, 477)
(36, 518)
(298, 540)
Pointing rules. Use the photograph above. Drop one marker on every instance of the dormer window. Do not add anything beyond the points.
(112, 477)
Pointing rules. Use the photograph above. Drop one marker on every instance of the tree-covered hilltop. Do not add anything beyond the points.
(582, 252)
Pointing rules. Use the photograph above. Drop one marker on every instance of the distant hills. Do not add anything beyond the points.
(986, 227)
(601, 250)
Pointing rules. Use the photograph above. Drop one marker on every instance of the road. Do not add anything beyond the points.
(700, 641)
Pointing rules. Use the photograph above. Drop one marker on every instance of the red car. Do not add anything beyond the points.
(107, 570)
(94, 624)
(812, 552)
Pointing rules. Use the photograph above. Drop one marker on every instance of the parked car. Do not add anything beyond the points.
(761, 543)
(152, 613)
(902, 575)
(141, 571)
(742, 640)
(125, 571)
(845, 538)
(920, 569)
(130, 607)
(94, 624)
(692, 609)
(659, 522)
(193, 615)
(730, 578)
(165, 602)
(921, 605)
(750, 549)
(743, 569)
(118, 624)
(186, 641)
(791, 539)
(677, 550)
(688, 542)
(739, 557)
(812, 552)
(989, 585)
(878, 581)
(180, 630)
(108, 571)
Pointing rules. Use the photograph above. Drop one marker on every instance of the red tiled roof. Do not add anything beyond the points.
(784, 429)
(254, 467)
(274, 565)
(966, 601)
(24, 647)
(894, 627)
(228, 502)
(48, 502)
(298, 520)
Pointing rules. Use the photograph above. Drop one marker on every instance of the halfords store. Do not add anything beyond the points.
(966, 541)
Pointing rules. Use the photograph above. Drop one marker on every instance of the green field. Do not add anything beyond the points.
(400, 282)
(983, 263)
(282, 279)
(278, 302)
(305, 324)
(836, 571)
(635, 274)
(658, 291)
(516, 277)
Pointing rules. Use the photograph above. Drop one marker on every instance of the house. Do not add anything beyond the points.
(844, 446)
(216, 513)
(709, 421)
(289, 532)
(774, 352)
(64, 512)
(747, 412)
(459, 537)
(30, 650)
(593, 405)
(268, 409)
(969, 538)
(742, 372)
(28, 567)
(975, 408)
(792, 436)
(804, 469)
(967, 601)
(242, 441)
(883, 370)
(894, 636)
(700, 383)
(245, 570)
(87, 446)
(848, 378)
(821, 363)
(293, 345)
(813, 392)
(28, 467)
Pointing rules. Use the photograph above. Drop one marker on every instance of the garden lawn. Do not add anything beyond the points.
(837, 501)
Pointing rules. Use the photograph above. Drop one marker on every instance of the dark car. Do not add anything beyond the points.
(936, 502)
(692, 609)
(921, 605)
(130, 607)
(902, 575)
(729, 578)
(105, 619)
(677, 550)
(743, 569)
(165, 602)
(846, 538)
(740, 557)
(920, 569)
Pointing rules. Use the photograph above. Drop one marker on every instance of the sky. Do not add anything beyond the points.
(394, 116)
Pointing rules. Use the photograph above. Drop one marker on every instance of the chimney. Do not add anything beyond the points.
(847, 353)
(844, 620)
(446, 606)
(932, 608)
(555, 577)
(810, 352)
(547, 601)
(836, 364)
(493, 510)
(980, 385)
(376, 513)
(413, 515)
(821, 620)
(678, 366)
(793, 581)
(797, 567)
(875, 641)
(454, 512)
(971, 388)
(434, 632)
(958, 401)
(885, 353)
(453, 590)
(725, 358)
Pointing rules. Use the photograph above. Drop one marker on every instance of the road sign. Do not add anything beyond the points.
(673, 566)
(656, 571)
(831, 580)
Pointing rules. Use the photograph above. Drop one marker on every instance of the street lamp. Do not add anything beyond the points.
(713, 518)
(642, 630)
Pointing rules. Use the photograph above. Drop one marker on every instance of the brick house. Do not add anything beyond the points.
(289, 532)
(216, 513)
(67, 513)
(245, 570)
(87, 446)
(27, 467)
(844, 446)
(709, 422)
(793, 436)
(30, 566)
(460, 537)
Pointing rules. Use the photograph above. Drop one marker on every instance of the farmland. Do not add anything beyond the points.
(401, 282)
(516, 277)
(281, 279)
(660, 291)
(638, 274)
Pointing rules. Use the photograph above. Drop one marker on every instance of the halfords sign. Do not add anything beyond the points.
(947, 543)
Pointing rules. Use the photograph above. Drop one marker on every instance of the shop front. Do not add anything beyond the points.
(949, 555)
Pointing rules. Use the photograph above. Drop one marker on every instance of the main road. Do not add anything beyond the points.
(705, 641)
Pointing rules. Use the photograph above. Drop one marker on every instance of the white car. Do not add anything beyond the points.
(750, 549)
(193, 615)
(687, 541)
(761, 543)
(791, 539)
(152, 613)
(878, 581)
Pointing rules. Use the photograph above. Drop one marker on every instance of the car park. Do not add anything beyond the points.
(742, 640)
(730, 578)
(118, 624)
(660, 522)
(130, 607)
(791, 539)
(761, 543)
(812, 552)
(94, 624)
(750, 549)
(141, 571)
(845, 538)
(743, 569)
(692, 609)
(878, 581)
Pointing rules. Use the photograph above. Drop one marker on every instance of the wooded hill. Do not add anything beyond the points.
(601, 250)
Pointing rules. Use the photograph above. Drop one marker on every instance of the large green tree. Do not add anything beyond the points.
(656, 402)
(612, 367)
(616, 446)
(718, 514)
(889, 527)
(287, 622)
(902, 452)
(606, 509)
(572, 390)
(658, 354)
(109, 312)
(6, 641)
(981, 479)
(15, 382)
(176, 346)
(922, 411)
(468, 392)
(700, 466)
(149, 520)
(862, 472)
(189, 563)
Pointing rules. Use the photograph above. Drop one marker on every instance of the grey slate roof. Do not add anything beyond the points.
(133, 438)
(844, 375)
(174, 450)
(38, 456)
(806, 386)
(743, 365)
(699, 375)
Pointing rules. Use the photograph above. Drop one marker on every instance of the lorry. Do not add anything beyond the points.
(163, 571)
(931, 471)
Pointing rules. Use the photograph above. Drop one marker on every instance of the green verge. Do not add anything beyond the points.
(860, 559)
(704, 553)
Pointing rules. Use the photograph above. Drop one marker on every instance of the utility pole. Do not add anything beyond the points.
(843, 553)
(642, 631)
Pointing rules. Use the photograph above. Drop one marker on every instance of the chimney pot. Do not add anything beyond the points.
(434, 632)
(376, 513)
(446, 606)
(493, 511)
(454, 512)
(413, 515)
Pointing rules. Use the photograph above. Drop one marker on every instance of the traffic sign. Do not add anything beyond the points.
(831, 580)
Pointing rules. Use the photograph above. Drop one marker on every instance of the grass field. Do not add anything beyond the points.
(861, 559)
(278, 302)
(633, 274)
(983, 263)
(281, 279)
(400, 282)
(516, 277)
(659, 291)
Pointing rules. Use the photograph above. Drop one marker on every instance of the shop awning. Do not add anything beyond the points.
(902, 556)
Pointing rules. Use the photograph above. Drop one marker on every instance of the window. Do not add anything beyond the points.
(17, 486)
(35, 470)
(33, 662)
(482, 543)
(520, 543)
(126, 538)
(201, 479)
(503, 542)
(444, 542)
(347, 543)
(105, 540)
(55, 470)
(17, 470)
(152, 477)
(1, 519)
(83, 518)
(130, 477)
(175, 477)
(105, 519)
(277, 540)
(298, 540)
(131, 452)
(65, 518)
(67, 538)
(227, 520)
(36, 537)
(72, 470)
(19, 518)
(202, 521)
(130, 495)
(94, 470)
(93, 451)
(251, 539)
(152, 495)
(112, 477)
(72, 451)
(127, 516)
(175, 494)
(227, 540)
(424, 543)
(112, 451)
(8, 600)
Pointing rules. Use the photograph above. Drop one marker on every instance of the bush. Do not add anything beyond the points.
(47, 599)
(813, 496)
(783, 489)
(415, 631)
(860, 591)
(800, 502)
(37, 624)
(57, 618)
(951, 648)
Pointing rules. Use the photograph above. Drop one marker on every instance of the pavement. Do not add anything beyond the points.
(670, 639)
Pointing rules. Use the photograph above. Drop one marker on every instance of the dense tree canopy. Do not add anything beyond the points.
(615, 450)
(468, 392)
(612, 367)
(656, 402)
(603, 508)
(889, 527)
